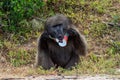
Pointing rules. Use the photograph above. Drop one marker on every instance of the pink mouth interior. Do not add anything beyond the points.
(63, 42)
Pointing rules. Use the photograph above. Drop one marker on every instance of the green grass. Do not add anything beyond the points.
(90, 17)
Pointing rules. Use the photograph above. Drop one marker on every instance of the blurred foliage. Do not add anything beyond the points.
(20, 57)
(19, 18)
(15, 12)
(115, 47)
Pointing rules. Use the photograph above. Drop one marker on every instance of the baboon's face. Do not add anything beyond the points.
(57, 31)
(57, 27)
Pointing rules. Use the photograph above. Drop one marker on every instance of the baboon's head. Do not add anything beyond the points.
(57, 26)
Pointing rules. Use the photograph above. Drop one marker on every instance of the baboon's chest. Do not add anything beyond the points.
(60, 55)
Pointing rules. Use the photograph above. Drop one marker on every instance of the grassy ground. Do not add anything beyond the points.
(17, 52)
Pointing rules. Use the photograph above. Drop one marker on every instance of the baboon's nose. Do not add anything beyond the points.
(60, 37)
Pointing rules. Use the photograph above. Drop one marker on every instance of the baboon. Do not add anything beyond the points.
(60, 44)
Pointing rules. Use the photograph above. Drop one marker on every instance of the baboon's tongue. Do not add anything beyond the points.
(62, 43)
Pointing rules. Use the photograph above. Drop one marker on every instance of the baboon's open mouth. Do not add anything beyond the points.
(62, 42)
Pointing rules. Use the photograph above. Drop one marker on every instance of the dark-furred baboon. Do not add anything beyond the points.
(60, 44)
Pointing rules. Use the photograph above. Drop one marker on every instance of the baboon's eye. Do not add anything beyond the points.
(58, 25)
(65, 29)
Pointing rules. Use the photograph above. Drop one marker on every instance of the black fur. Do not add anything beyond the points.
(50, 54)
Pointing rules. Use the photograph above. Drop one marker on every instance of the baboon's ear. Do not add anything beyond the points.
(69, 20)
(45, 25)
